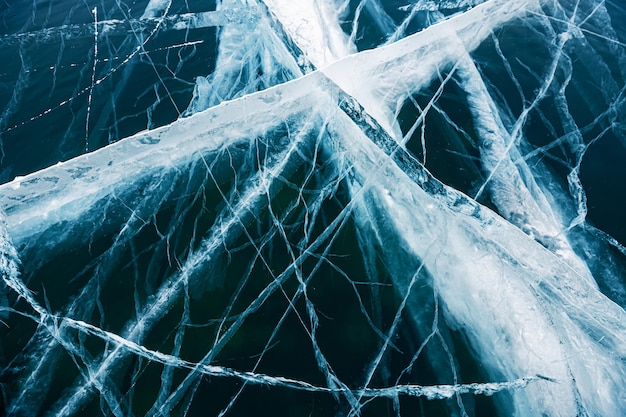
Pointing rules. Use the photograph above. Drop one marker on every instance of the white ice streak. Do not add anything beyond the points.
(155, 8)
(9, 265)
(93, 76)
(314, 27)
(429, 392)
(250, 58)
(117, 27)
(510, 182)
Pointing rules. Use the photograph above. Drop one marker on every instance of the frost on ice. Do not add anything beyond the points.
(313, 208)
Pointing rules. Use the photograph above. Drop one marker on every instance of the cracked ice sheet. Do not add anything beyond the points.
(364, 76)
(525, 310)
(383, 78)
(139, 75)
(52, 189)
(516, 201)
(81, 190)
(452, 252)
(398, 192)
(466, 226)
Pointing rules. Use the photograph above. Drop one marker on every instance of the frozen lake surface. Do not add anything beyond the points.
(313, 208)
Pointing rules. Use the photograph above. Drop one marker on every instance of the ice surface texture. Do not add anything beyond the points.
(315, 208)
